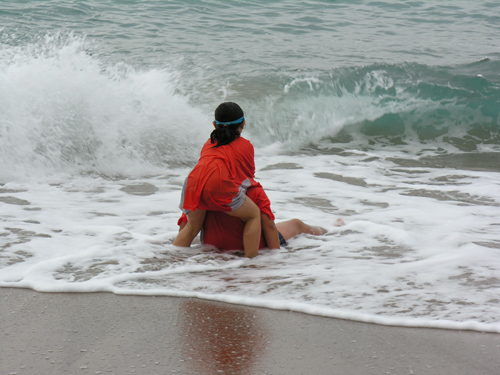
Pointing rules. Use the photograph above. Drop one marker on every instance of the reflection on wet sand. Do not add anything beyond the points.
(220, 338)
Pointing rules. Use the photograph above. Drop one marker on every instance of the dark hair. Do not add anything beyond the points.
(225, 134)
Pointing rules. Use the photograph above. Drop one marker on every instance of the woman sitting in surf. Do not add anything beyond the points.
(219, 182)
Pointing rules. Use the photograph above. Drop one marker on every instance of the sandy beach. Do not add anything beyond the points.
(103, 333)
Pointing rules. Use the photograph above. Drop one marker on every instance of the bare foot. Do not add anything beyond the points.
(317, 231)
(339, 222)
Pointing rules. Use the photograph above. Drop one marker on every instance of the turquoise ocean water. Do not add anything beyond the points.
(385, 113)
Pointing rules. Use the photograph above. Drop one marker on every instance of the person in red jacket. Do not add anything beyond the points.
(219, 182)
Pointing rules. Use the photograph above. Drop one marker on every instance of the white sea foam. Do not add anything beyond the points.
(61, 110)
(420, 247)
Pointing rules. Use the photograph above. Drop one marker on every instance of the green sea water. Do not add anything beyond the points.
(312, 75)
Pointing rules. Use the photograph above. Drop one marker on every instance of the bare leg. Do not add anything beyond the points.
(250, 214)
(188, 233)
(294, 227)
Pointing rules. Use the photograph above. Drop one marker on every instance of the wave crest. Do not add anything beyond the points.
(396, 104)
(64, 110)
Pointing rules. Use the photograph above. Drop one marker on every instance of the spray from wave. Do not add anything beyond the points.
(65, 109)
(62, 110)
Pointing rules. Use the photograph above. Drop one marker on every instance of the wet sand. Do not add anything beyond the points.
(103, 333)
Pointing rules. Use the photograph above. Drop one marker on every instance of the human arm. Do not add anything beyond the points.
(270, 232)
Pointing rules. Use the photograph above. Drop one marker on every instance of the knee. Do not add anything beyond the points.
(247, 211)
(299, 225)
(253, 214)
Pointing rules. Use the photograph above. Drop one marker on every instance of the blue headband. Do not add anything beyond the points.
(230, 122)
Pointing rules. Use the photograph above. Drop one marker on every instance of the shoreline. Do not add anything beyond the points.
(92, 333)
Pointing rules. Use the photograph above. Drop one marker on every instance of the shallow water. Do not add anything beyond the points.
(373, 112)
